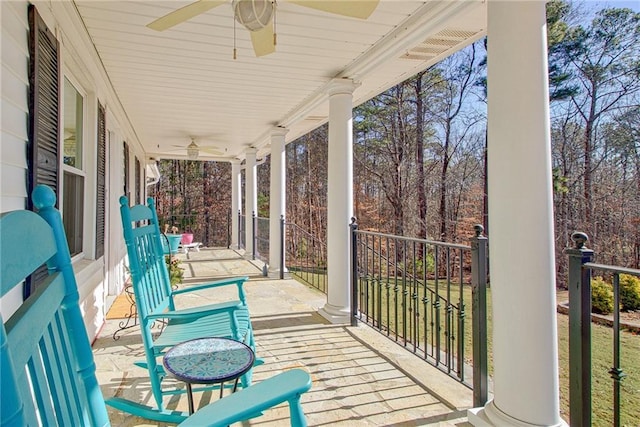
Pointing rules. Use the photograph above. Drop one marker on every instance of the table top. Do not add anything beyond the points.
(208, 360)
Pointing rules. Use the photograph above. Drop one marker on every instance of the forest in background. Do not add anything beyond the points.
(420, 149)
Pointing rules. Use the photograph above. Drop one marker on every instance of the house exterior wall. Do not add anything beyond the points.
(99, 280)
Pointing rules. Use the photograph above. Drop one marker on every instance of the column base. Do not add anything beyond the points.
(335, 315)
(491, 416)
(275, 274)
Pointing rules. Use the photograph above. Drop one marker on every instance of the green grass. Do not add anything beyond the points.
(602, 354)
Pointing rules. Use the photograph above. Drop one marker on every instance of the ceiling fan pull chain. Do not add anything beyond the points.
(274, 21)
(234, 39)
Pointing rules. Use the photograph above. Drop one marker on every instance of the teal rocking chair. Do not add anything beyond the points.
(154, 298)
(48, 372)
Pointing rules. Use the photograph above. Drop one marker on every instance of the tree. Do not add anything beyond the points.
(449, 112)
(604, 61)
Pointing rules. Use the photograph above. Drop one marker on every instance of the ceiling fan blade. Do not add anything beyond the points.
(262, 40)
(184, 14)
(354, 8)
(211, 151)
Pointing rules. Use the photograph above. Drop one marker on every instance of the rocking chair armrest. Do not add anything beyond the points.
(238, 281)
(251, 401)
(197, 312)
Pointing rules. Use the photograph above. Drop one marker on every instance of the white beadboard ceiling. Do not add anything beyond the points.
(184, 81)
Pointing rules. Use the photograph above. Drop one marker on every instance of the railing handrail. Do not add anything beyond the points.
(414, 239)
(302, 230)
(611, 268)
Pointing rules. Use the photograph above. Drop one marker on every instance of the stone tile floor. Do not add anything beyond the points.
(360, 378)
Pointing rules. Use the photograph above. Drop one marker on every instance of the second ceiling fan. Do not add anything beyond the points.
(257, 16)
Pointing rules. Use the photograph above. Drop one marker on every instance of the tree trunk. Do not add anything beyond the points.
(420, 185)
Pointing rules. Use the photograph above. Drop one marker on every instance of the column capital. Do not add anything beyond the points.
(251, 151)
(279, 131)
(235, 161)
(341, 86)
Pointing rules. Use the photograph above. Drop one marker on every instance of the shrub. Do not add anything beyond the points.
(601, 296)
(175, 271)
(629, 292)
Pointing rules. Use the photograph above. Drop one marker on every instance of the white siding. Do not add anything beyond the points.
(13, 119)
(14, 105)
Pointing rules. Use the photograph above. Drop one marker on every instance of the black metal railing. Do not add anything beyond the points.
(417, 292)
(581, 268)
(242, 225)
(209, 229)
(306, 256)
(260, 238)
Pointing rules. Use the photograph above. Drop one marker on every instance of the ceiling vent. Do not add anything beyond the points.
(438, 43)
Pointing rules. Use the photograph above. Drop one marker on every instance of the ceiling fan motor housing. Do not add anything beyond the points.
(254, 15)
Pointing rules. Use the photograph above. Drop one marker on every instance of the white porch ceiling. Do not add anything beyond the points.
(184, 81)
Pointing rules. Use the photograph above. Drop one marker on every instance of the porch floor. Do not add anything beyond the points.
(359, 376)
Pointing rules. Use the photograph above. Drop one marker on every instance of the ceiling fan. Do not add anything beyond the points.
(193, 150)
(257, 16)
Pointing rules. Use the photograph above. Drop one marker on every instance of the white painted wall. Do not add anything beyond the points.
(98, 280)
(13, 119)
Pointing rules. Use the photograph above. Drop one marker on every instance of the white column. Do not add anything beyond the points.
(339, 200)
(521, 241)
(277, 198)
(236, 203)
(250, 199)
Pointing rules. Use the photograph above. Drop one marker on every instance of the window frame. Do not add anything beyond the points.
(79, 172)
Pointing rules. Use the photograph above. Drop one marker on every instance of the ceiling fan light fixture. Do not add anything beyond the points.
(254, 15)
(192, 151)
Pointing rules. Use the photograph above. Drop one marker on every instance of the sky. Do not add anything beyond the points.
(631, 4)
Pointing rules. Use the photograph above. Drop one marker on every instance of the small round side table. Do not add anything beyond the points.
(208, 361)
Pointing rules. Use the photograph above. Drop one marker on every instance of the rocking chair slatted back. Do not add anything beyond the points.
(48, 373)
(150, 278)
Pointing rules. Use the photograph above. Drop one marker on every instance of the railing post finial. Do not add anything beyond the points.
(580, 239)
(479, 229)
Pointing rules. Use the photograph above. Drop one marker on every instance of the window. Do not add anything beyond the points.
(73, 177)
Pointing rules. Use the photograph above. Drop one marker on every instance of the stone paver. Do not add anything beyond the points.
(360, 378)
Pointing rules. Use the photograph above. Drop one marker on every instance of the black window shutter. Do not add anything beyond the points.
(43, 155)
(100, 181)
(127, 193)
(44, 106)
(138, 177)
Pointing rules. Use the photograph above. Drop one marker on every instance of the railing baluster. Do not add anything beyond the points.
(387, 285)
(425, 299)
(436, 306)
(414, 300)
(449, 310)
(405, 292)
(380, 285)
(616, 373)
(354, 271)
(461, 317)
